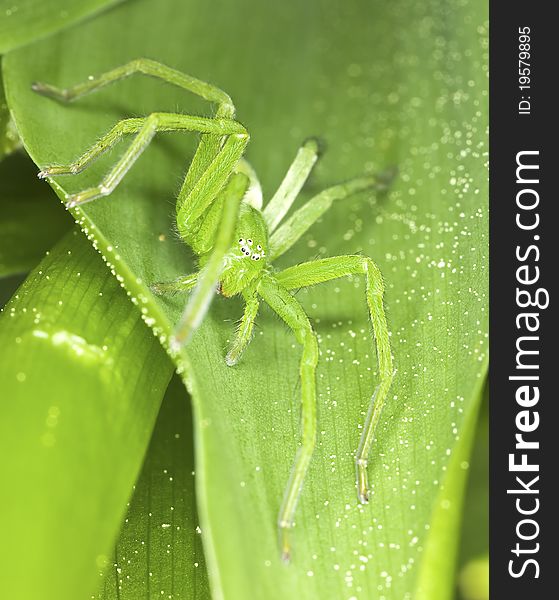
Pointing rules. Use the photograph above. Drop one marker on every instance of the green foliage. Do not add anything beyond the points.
(160, 547)
(8, 136)
(473, 563)
(82, 381)
(383, 83)
(30, 222)
(26, 20)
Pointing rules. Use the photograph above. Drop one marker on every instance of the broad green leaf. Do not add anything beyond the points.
(22, 21)
(437, 575)
(9, 139)
(159, 550)
(473, 574)
(30, 222)
(82, 379)
(476, 514)
(384, 83)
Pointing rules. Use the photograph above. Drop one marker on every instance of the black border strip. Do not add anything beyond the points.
(520, 250)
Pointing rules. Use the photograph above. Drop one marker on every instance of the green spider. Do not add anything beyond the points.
(219, 215)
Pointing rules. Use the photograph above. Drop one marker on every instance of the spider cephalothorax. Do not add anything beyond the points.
(246, 259)
(220, 216)
(249, 248)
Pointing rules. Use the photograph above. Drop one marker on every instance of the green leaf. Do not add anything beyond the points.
(475, 541)
(82, 381)
(30, 222)
(9, 139)
(160, 548)
(437, 575)
(8, 286)
(474, 547)
(384, 83)
(27, 20)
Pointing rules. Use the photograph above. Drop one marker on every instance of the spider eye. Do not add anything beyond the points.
(243, 249)
(259, 247)
(249, 242)
(241, 241)
(255, 257)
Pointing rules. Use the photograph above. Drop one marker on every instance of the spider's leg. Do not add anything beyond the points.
(287, 307)
(146, 129)
(208, 277)
(184, 283)
(326, 269)
(207, 150)
(199, 234)
(126, 126)
(115, 175)
(291, 231)
(209, 184)
(210, 143)
(243, 334)
(146, 67)
(291, 185)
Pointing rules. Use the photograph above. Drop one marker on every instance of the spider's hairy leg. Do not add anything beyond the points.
(146, 129)
(291, 231)
(287, 307)
(126, 126)
(200, 234)
(291, 185)
(208, 278)
(147, 67)
(184, 283)
(115, 175)
(210, 143)
(243, 334)
(326, 269)
(254, 194)
(210, 183)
